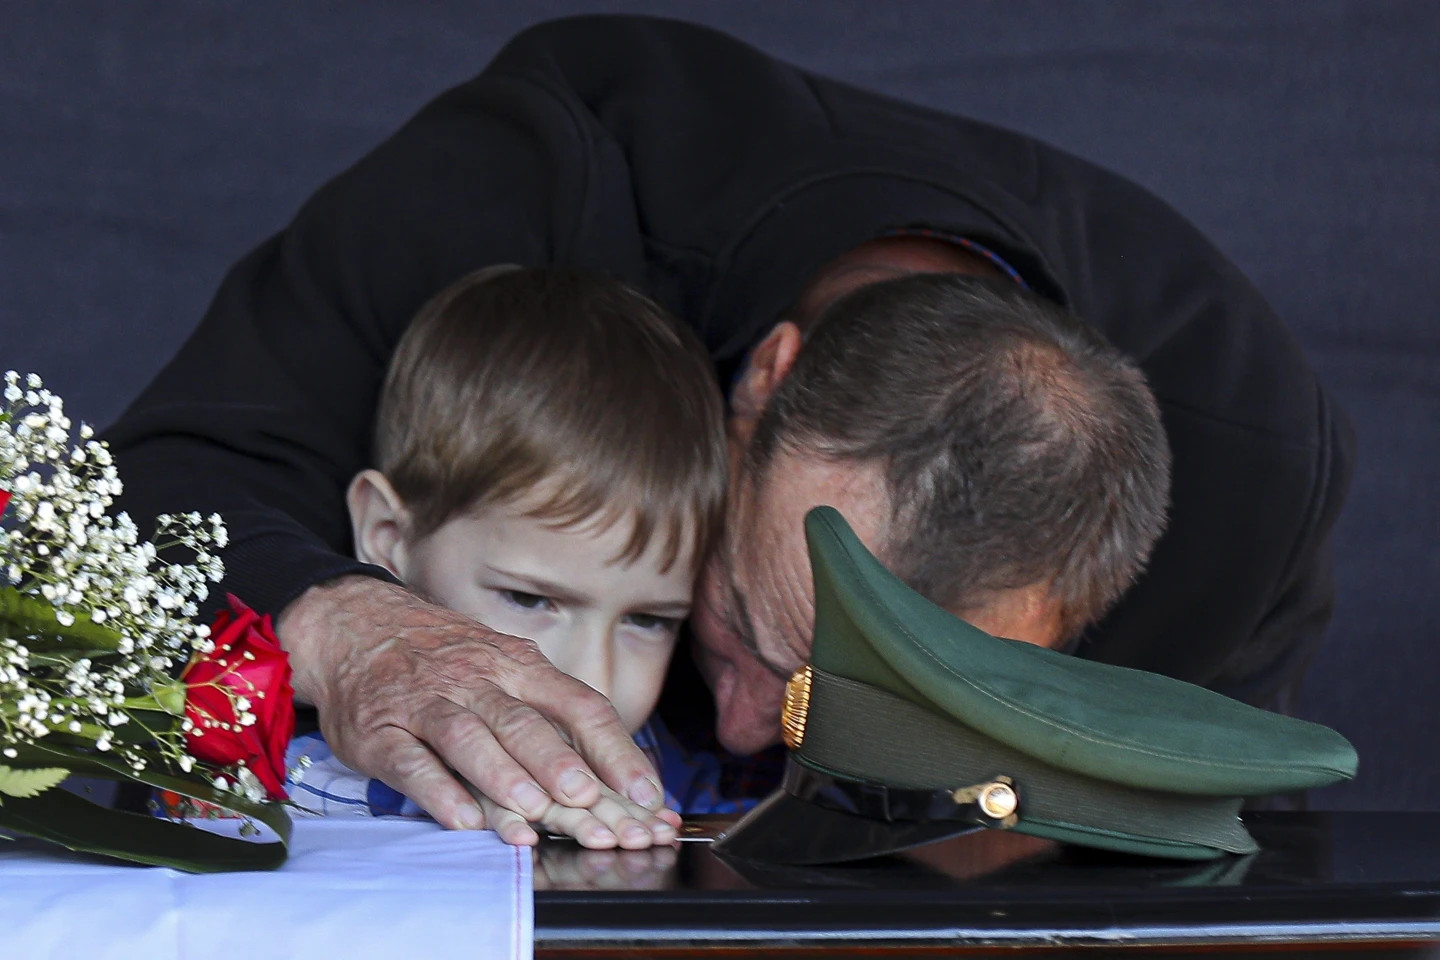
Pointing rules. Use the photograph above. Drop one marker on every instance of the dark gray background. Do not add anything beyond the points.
(144, 146)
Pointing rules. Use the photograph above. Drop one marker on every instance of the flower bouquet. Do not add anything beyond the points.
(105, 673)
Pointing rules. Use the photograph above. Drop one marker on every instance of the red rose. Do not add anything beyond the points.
(4, 499)
(247, 662)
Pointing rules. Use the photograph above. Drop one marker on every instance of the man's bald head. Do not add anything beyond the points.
(1018, 446)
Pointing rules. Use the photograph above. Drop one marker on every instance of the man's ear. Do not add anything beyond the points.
(378, 521)
(768, 364)
(1032, 614)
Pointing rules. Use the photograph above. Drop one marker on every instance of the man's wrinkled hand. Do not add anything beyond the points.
(409, 692)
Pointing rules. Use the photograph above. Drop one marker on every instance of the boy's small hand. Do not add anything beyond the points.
(612, 821)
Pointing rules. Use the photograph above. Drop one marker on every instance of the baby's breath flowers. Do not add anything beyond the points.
(93, 617)
(97, 623)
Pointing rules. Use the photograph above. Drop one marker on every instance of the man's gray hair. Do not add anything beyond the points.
(1018, 446)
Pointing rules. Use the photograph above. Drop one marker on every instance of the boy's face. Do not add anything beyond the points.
(609, 623)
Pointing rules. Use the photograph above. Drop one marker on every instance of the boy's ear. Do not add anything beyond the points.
(378, 521)
(768, 364)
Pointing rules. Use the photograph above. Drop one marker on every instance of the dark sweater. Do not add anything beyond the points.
(719, 179)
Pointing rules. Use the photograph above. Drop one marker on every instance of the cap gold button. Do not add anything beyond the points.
(797, 705)
(998, 800)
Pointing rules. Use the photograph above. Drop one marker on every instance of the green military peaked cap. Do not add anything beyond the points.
(910, 725)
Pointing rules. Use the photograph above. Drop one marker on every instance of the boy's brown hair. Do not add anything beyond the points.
(515, 382)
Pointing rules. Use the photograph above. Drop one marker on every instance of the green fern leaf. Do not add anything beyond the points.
(29, 783)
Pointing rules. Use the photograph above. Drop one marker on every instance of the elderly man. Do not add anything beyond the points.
(748, 197)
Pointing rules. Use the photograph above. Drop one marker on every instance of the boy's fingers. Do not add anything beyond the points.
(634, 826)
(632, 834)
(581, 824)
(511, 827)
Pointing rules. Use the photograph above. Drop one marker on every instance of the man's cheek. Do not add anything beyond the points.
(748, 710)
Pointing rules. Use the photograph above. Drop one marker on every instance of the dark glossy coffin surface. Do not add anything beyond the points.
(1360, 884)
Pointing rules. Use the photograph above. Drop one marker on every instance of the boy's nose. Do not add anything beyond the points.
(593, 662)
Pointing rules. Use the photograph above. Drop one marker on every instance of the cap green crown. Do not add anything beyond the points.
(904, 694)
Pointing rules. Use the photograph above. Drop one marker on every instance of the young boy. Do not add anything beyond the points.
(550, 461)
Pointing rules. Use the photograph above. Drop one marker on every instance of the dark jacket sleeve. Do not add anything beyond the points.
(265, 413)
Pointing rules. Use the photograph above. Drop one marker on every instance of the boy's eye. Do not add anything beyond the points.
(527, 601)
(647, 621)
